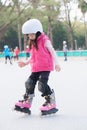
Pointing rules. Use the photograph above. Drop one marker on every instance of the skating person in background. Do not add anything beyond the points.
(16, 53)
(7, 54)
(65, 50)
(27, 51)
(43, 60)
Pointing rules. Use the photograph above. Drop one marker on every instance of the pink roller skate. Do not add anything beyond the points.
(49, 107)
(24, 105)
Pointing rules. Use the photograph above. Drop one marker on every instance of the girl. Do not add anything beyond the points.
(42, 61)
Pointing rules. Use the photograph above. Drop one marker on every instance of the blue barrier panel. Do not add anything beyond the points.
(83, 53)
(22, 54)
(60, 53)
(77, 53)
(70, 53)
(73, 53)
(1, 54)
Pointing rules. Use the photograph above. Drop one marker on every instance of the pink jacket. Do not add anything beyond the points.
(27, 50)
(41, 59)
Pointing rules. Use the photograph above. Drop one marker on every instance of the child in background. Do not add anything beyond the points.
(7, 54)
(16, 53)
(65, 50)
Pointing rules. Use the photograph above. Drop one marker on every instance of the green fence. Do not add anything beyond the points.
(73, 53)
(59, 53)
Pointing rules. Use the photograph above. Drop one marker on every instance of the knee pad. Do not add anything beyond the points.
(44, 88)
(41, 87)
(29, 85)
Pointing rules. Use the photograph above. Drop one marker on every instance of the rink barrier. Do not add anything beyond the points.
(59, 53)
(73, 53)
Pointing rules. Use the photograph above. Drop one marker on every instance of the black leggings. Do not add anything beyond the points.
(41, 77)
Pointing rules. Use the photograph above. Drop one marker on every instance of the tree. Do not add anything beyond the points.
(67, 5)
(11, 12)
(83, 6)
(50, 10)
(4, 23)
(59, 35)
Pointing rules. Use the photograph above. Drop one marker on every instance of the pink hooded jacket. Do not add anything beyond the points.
(41, 59)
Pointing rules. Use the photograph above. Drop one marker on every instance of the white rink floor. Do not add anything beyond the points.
(70, 87)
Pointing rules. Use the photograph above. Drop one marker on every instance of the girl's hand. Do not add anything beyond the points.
(57, 68)
(21, 64)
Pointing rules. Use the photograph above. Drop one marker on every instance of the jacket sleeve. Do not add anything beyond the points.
(50, 48)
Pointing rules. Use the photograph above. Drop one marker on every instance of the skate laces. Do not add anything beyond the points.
(26, 97)
(23, 101)
(47, 100)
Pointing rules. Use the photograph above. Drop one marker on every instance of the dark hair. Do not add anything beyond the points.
(34, 42)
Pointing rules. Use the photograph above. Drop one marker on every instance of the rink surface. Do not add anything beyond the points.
(70, 87)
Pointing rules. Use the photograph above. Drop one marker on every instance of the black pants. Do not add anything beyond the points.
(65, 55)
(7, 57)
(41, 77)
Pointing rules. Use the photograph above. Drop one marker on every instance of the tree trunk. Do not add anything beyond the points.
(85, 28)
(19, 36)
(70, 37)
(69, 27)
(50, 30)
(25, 42)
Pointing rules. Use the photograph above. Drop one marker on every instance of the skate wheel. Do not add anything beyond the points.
(17, 108)
(23, 110)
(49, 112)
(26, 110)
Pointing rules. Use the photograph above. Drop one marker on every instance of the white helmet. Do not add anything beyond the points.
(32, 26)
(64, 42)
(5, 46)
(27, 46)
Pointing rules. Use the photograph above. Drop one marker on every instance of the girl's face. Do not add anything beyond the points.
(32, 36)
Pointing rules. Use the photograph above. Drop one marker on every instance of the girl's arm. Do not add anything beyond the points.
(50, 48)
(22, 64)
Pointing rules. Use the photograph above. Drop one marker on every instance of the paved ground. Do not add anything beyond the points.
(70, 87)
